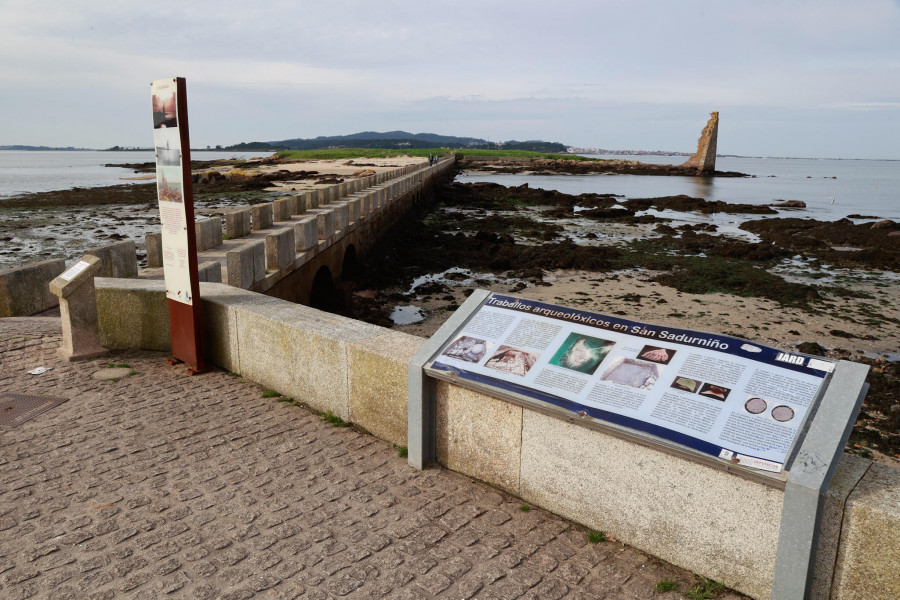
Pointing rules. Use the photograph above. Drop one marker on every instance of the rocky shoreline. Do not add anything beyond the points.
(791, 289)
(540, 166)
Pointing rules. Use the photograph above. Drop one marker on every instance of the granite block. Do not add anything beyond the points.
(262, 215)
(479, 435)
(326, 224)
(247, 264)
(280, 251)
(377, 372)
(25, 290)
(868, 561)
(282, 209)
(116, 260)
(208, 233)
(153, 244)
(237, 223)
(306, 233)
(848, 474)
(209, 271)
(700, 518)
(133, 313)
(78, 310)
(298, 206)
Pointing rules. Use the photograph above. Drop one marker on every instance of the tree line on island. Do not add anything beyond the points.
(398, 140)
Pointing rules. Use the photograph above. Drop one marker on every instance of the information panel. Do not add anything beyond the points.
(717, 395)
(170, 190)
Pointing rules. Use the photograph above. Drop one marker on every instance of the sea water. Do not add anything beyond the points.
(28, 171)
(831, 188)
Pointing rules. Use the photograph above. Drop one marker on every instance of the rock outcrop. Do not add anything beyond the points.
(704, 159)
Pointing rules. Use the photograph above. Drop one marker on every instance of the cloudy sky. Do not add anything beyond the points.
(789, 78)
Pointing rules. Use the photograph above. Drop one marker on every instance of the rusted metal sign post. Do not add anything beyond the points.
(176, 212)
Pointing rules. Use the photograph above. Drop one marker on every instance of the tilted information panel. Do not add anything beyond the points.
(721, 397)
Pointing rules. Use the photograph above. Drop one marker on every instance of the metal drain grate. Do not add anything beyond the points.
(15, 409)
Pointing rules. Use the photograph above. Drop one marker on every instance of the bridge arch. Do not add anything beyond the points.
(322, 293)
(350, 266)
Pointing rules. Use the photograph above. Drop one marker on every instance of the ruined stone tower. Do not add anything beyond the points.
(704, 159)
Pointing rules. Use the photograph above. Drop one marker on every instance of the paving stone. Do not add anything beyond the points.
(166, 485)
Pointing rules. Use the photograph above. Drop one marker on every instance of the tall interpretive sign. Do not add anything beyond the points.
(176, 211)
(714, 395)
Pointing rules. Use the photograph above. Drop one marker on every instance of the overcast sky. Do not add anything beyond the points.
(789, 78)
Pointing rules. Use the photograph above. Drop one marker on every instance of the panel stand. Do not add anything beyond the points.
(421, 394)
(809, 478)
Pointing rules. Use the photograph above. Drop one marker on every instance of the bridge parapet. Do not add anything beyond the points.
(323, 225)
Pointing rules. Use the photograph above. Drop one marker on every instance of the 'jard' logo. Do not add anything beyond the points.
(790, 358)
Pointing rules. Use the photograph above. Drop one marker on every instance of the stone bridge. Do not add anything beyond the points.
(296, 248)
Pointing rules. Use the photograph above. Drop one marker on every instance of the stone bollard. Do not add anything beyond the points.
(78, 308)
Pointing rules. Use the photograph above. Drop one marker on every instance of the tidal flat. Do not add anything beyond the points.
(825, 288)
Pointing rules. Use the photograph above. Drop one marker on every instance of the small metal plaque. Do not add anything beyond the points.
(15, 409)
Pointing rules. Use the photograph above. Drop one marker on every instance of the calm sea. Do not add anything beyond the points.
(832, 189)
(23, 172)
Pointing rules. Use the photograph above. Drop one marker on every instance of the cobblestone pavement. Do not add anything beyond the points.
(165, 485)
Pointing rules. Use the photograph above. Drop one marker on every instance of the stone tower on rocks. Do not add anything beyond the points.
(704, 159)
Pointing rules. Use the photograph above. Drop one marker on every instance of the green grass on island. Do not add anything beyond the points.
(341, 153)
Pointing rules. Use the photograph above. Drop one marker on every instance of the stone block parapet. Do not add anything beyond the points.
(263, 215)
(24, 291)
(298, 204)
(153, 245)
(116, 260)
(208, 233)
(326, 223)
(210, 271)
(282, 209)
(280, 249)
(247, 264)
(306, 233)
(237, 223)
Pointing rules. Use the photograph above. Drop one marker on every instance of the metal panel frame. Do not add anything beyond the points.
(420, 399)
(809, 478)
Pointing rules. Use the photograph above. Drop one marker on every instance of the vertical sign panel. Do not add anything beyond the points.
(176, 211)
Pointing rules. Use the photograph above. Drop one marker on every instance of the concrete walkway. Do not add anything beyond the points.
(163, 485)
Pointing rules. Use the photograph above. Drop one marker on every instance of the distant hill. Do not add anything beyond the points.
(19, 147)
(397, 140)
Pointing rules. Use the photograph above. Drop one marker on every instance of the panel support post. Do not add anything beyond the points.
(421, 398)
(809, 478)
